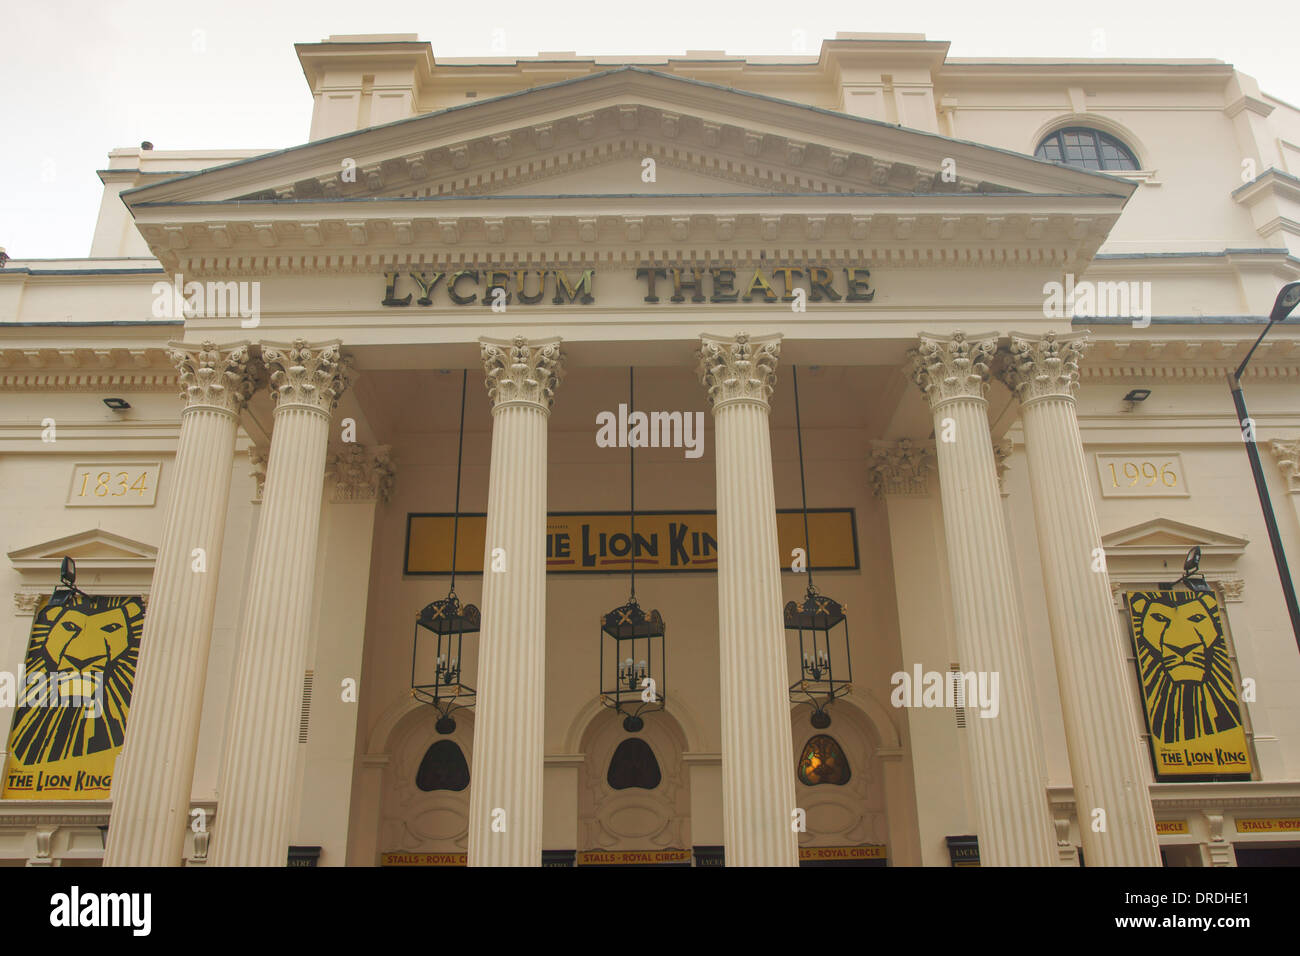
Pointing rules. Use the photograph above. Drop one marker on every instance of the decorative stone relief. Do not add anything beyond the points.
(633, 818)
(900, 468)
(1002, 452)
(1043, 366)
(362, 474)
(25, 602)
(212, 376)
(947, 368)
(739, 369)
(1287, 454)
(257, 469)
(522, 372)
(311, 376)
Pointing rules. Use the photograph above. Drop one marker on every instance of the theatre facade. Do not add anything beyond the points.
(690, 460)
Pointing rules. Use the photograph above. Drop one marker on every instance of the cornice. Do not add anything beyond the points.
(1244, 795)
(984, 231)
(86, 369)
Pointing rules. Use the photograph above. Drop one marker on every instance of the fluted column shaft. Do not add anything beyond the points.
(758, 798)
(1015, 826)
(256, 776)
(1102, 737)
(505, 825)
(155, 772)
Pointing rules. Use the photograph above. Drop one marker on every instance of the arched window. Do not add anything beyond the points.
(633, 765)
(823, 761)
(1085, 148)
(443, 768)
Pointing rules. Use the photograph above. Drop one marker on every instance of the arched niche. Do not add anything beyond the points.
(415, 820)
(848, 814)
(633, 818)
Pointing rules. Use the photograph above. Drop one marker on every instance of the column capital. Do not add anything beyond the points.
(306, 374)
(362, 474)
(900, 467)
(1287, 454)
(952, 367)
(739, 368)
(213, 376)
(522, 372)
(1043, 366)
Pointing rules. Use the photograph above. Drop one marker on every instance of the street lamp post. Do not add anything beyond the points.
(1287, 299)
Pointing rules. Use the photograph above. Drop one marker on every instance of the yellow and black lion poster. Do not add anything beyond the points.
(1188, 692)
(70, 719)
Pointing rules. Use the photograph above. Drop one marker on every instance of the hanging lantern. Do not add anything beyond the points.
(441, 628)
(825, 666)
(632, 665)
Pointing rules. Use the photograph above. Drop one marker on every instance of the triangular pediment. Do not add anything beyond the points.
(95, 548)
(717, 132)
(567, 165)
(1165, 538)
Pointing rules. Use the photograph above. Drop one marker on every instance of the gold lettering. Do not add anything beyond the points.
(760, 284)
(580, 293)
(696, 287)
(788, 274)
(859, 288)
(724, 285)
(455, 278)
(530, 298)
(390, 291)
(426, 286)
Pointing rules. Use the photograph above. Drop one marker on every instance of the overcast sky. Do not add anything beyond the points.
(82, 77)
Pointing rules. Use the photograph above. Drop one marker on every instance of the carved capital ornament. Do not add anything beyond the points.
(521, 372)
(900, 468)
(739, 368)
(307, 375)
(362, 474)
(947, 368)
(1045, 366)
(212, 376)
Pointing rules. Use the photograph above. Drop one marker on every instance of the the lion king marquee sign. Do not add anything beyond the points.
(1189, 695)
(70, 719)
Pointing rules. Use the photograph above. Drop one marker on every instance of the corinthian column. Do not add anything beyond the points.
(1015, 826)
(505, 801)
(155, 771)
(1106, 763)
(255, 784)
(757, 777)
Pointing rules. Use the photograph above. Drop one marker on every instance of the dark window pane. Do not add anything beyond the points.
(1087, 149)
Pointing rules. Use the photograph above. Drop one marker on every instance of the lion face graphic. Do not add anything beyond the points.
(80, 669)
(1183, 661)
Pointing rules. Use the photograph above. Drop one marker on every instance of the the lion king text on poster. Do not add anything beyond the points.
(1188, 691)
(70, 719)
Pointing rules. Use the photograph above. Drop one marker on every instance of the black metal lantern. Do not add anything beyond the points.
(632, 664)
(442, 627)
(820, 624)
